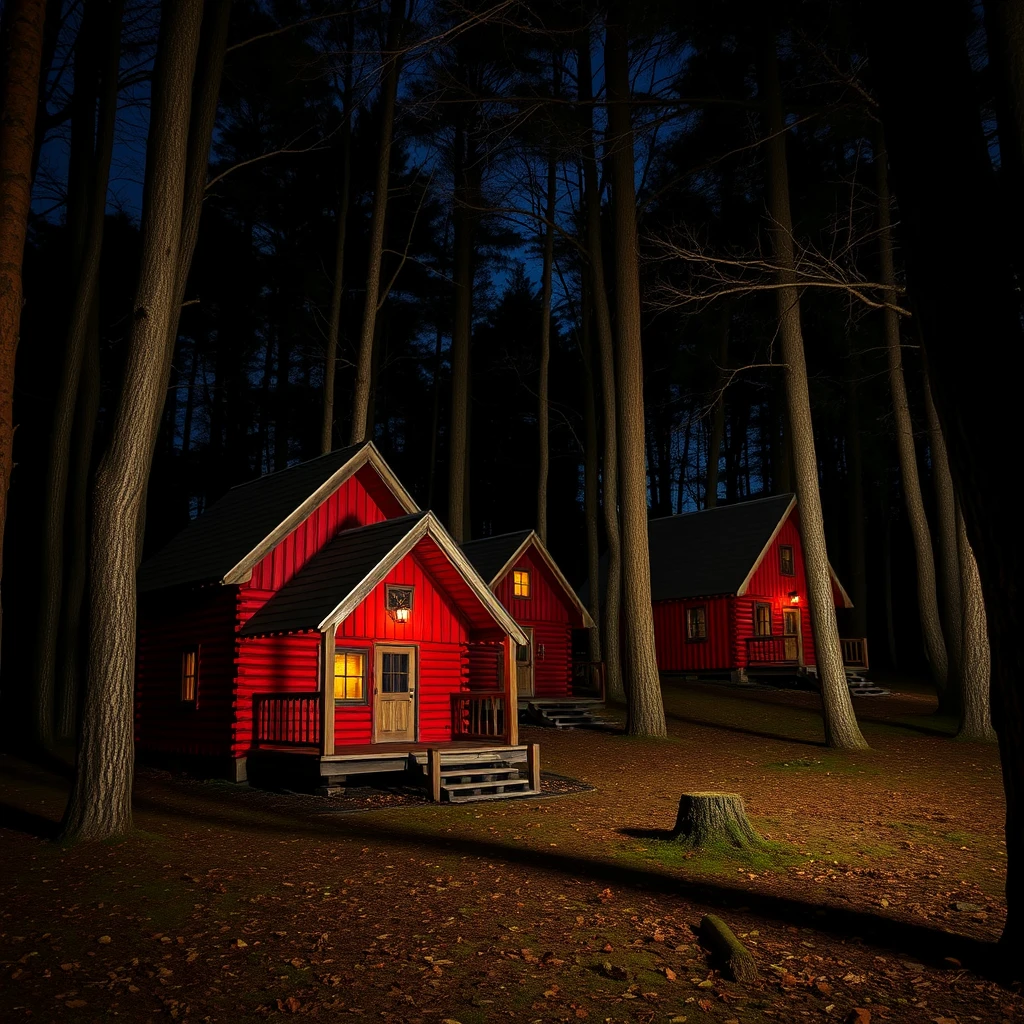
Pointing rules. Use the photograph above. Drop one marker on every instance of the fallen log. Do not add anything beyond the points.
(728, 954)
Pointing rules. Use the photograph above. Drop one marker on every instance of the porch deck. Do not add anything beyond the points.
(783, 652)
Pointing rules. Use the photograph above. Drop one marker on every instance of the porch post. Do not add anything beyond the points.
(327, 693)
(512, 691)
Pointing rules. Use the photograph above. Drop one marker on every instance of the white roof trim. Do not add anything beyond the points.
(764, 551)
(534, 538)
(367, 455)
(847, 601)
(428, 526)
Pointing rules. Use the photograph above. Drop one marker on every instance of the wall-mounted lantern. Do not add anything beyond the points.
(398, 602)
(794, 597)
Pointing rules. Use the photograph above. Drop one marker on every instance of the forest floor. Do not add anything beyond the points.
(877, 900)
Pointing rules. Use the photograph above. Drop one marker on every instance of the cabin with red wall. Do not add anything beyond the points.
(729, 591)
(525, 578)
(317, 611)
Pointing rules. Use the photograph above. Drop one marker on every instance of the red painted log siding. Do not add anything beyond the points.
(768, 584)
(271, 664)
(168, 625)
(678, 654)
(350, 506)
(438, 630)
(485, 659)
(552, 615)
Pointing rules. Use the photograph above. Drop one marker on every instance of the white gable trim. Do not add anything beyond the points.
(764, 551)
(534, 538)
(428, 526)
(367, 455)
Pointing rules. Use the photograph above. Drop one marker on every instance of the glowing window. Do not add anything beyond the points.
(762, 619)
(189, 674)
(520, 583)
(349, 676)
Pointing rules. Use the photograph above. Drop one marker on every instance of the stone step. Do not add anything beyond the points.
(475, 798)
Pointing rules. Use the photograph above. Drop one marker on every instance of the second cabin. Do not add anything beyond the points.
(729, 593)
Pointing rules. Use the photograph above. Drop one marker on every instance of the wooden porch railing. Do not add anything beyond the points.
(773, 650)
(482, 715)
(855, 652)
(588, 679)
(286, 719)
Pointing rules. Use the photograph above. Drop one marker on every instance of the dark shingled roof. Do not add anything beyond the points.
(329, 577)
(216, 541)
(703, 554)
(489, 554)
(711, 552)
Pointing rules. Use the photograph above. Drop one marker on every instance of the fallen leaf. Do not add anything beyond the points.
(241, 943)
(75, 1004)
(104, 940)
(670, 974)
(858, 1015)
(291, 1004)
(704, 1004)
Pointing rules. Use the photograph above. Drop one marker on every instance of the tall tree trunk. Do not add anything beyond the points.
(338, 284)
(544, 451)
(841, 729)
(464, 216)
(72, 649)
(950, 561)
(591, 462)
(435, 423)
(927, 592)
(611, 625)
(976, 663)
(100, 803)
(389, 92)
(22, 62)
(646, 712)
(718, 413)
(92, 146)
(855, 501)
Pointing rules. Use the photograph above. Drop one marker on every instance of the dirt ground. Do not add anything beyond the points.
(877, 900)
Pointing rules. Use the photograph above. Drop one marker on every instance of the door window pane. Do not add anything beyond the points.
(394, 673)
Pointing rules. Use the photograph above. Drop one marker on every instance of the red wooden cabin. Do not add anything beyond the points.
(316, 617)
(525, 578)
(730, 592)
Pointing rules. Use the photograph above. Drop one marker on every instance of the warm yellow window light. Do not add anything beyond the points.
(349, 675)
(520, 583)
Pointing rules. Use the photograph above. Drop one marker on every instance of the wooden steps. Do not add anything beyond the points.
(487, 775)
(562, 714)
(861, 687)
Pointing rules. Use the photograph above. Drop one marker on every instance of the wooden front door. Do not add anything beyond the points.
(524, 665)
(791, 631)
(394, 695)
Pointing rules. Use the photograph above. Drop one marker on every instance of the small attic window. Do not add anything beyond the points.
(520, 583)
(786, 560)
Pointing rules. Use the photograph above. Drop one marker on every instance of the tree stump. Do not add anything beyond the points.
(708, 818)
(727, 952)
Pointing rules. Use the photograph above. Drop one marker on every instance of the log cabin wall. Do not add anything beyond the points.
(170, 622)
(677, 652)
(551, 615)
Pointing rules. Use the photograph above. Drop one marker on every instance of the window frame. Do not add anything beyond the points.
(186, 652)
(691, 638)
(791, 571)
(758, 605)
(350, 702)
(517, 583)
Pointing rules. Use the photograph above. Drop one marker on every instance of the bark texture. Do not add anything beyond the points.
(976, 663)
(645, 709)
(611, 624)
(338, 284)
(705, 819)
(927, 592)
(591, 462)
(22, 60)
(93, 155)
(950, 565)
(544, 362)
(841, 729)
(100, 803)
(389, 93)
